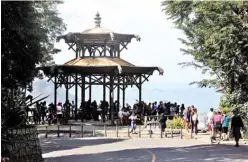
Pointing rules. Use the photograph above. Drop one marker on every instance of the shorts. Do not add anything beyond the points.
(225, 129)
(218, 126)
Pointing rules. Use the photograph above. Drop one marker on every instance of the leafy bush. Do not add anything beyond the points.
(245, 135)
(14, 107)
(176, 123)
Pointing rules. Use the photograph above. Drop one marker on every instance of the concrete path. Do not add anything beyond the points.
(138, 149)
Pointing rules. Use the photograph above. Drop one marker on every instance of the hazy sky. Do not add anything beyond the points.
(158, 47)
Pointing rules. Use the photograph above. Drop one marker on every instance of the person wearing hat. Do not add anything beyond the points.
(236, 126)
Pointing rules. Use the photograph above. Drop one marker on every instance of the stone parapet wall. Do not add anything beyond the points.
(22, 145)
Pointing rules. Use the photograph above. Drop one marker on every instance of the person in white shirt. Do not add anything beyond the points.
(133, 118)
(121, 115)
(194, 122)
(209, 120)
(59, 112)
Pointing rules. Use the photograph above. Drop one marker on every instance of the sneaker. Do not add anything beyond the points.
(237, 145)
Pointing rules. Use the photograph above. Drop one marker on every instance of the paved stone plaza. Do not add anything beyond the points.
(139, 149)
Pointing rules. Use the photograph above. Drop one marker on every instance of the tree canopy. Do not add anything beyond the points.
(217, 38)
(29, 30)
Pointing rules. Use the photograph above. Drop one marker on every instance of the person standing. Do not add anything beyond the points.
(177, 110)
(182, 109)
(163, 122)
(133, 118)
(43, 111)
(217, 123)
(59, 113)
(209, 120)
(236, 126)
(194, 121)
(121, 116)
(225, 124)
(73, 109)
(155, 108)
(186, 115)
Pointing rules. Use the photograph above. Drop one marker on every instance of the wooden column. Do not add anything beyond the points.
(118, 94)
(104, 50)
(82, 95)
(76, 96)
(66, 89)
(104, 98)
(118, 51)
(83, 89)
(76, 50)
(90, 88)
(140, 88)
(55, 89)
(123, 93)
(111, 98)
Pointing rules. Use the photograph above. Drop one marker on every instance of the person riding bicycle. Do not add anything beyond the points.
(217, 122)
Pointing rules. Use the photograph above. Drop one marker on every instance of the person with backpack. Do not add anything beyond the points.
(225, 124)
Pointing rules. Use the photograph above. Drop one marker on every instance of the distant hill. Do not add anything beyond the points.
(203, 99)
(47, 88)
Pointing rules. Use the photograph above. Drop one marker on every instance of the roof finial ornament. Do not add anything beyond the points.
(97, 19)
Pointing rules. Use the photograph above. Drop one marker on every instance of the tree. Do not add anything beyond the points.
(28, 33)
(225, 104)
(29, 30)
(217, 38)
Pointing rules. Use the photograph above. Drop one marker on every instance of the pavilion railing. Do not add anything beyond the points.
(104, 130)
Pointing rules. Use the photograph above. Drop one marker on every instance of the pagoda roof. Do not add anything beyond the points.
(98, 61)
(100, 65)
(97, 33)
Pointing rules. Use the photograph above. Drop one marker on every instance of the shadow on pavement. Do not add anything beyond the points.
(57, 144)
(183, 154)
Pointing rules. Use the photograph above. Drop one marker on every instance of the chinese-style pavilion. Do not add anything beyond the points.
(97, 62)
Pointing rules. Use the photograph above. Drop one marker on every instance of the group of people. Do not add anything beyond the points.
(190, 117)
(166, 110)
(38, 113)
(91, 110)
(52, 113)
(216, 120)
(219, 121)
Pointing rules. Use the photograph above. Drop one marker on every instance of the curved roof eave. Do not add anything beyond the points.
(50, 70)
(74, 37)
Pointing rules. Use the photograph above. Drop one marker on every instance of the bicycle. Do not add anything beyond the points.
(217, 137)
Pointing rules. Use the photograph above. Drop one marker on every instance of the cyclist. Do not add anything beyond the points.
(217, 122)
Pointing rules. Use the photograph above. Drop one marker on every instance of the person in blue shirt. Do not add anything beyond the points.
(225, 124)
